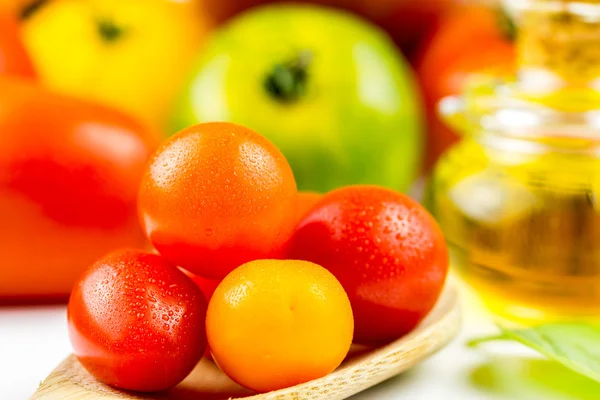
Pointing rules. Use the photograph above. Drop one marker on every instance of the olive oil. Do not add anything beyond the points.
(525, 235)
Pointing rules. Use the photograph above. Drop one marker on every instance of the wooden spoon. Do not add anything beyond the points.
(364, 367)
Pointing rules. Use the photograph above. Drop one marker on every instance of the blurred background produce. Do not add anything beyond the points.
(69, 176)
(406, 21)
(14, 7)
(124, 53)
(14, 59)
(328, 89)
(475, 38)
(345, 88)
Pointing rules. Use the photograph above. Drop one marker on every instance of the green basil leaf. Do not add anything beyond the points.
(531, 378)
(575, 345)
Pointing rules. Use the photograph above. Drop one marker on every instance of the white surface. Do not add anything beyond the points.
(33, 340)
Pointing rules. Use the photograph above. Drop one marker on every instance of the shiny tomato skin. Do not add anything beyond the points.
(469, 39)
(14, 59)
(136, 322)
(69, 175)
(388, 253)
(217, 195)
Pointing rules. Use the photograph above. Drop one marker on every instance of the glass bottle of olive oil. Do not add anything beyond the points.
(519, 197)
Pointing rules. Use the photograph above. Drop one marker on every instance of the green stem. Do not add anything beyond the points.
(109, 30)
(287, 82)
(506, 23)
(30, 8)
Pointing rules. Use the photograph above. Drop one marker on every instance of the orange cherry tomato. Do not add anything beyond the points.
(69, 174)
(13, 57)
(272, 324)
(217, 195)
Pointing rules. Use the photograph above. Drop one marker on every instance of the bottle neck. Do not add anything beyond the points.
(558, 44)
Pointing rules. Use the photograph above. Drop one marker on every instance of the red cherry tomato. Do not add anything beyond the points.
(13, 57)
(69, 175)
(215, 196)
(136, 322)
(388, 253)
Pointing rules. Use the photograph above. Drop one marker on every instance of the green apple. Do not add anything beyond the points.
(329, 89)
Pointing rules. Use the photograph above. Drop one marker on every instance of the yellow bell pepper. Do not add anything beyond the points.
(130, 54)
